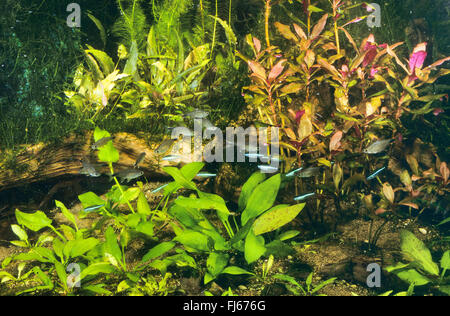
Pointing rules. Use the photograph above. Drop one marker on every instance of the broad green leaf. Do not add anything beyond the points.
(67, 214)
(130, 195)
(22, 234)
(180, 178)
(111, 244)
(248, 187)
(275, 218)
(133, 220)
(99, 134)
(45, 254)
(203, 203)
(108, 153)
(106, 63)
(187, 217)
(190, 170)
(96, 268)
(262, 198)
(61, 272)
(81, 246)
(142, 205)
(194, 240)
(254, 247)
(445, 260)
(242, 233)
(216, 262)
(90, 199)
(33, 221)
(412, 276)
(58, 247)
(158, 250)
(445, 289)
(146, 228)
(416, 251)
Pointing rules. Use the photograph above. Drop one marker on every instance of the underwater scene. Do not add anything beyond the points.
(248, 148)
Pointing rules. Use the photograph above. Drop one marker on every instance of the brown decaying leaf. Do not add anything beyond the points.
(285, 30)
(335, 141)
(300, 32)
(318, 28)
(276, 70)
(257, 69)
(388, 192)
(444, 171)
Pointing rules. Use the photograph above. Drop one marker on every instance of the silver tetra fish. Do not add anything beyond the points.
(377, 147)
(101, 142)
(139, 159)
(89, 169)
(129, 174)
(197, 114)
(165, 146)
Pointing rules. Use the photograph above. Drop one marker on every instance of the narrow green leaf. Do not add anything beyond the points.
(158, 251)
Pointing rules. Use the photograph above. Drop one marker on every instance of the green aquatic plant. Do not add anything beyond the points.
(56, 252)
(197, 233)
(421, 270)
(308, 289)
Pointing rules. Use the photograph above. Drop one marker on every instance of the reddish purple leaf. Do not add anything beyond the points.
(418, 57)
(257, 44)
(318, 28)
(438, 111)
(298, 115)
(257, 69)
(276, 70)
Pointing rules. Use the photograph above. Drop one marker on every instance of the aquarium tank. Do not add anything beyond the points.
(252, 149)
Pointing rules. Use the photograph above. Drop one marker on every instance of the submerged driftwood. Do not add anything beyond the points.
(48, 162)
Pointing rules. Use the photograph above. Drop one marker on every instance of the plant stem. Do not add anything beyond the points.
(267, 15)
(215, 28)
(120, 187)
